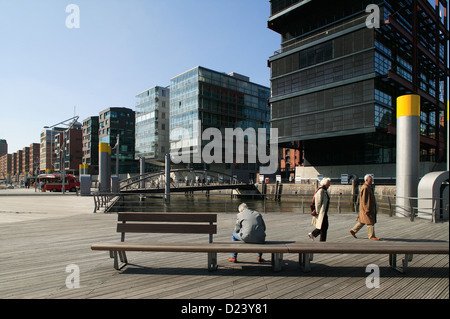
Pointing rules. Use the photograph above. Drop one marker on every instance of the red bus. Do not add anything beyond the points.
(53, 182)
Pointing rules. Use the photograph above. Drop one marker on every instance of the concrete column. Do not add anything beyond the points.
(142, 171)
(408, 153)
(84, 169)
(167, 173)
(85, 185)
(104, 166)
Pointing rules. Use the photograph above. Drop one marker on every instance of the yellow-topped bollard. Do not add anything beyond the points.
(104, 167)
(408, 153)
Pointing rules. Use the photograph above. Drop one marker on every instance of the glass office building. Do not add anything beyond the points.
(152, 124)
(335, 81)
(216, 100)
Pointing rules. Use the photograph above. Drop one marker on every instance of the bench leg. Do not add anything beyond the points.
(393, 262)
(305, 261)
(277, 259)
(119, 255)
(123, 257)
(212, 261)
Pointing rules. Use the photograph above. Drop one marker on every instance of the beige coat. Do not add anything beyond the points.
(321, 200)
(367, 206)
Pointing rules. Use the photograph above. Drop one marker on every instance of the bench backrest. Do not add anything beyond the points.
(178, 223)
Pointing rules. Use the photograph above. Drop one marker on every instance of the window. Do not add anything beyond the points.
(382, 64)
(386, 51)
(383, 97)
(383, 116)
(317, 54)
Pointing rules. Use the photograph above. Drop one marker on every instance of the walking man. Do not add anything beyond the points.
(367, 210)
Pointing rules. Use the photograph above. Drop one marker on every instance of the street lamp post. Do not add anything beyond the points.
(117, 148)
(63, 170)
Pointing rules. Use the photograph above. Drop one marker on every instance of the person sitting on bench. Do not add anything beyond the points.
(250, 228)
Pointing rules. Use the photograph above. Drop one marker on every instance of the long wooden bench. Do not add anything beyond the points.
(306, 250)
(200, 223)
(181, 223)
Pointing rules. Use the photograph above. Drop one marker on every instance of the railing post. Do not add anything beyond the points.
(167, 173)
(391, 212)
(339, 203)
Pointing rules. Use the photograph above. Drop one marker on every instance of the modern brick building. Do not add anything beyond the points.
(47, 149)
(90, 144)
(69, 144)
(114, 122)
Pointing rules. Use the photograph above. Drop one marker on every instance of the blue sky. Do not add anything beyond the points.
(121, 49)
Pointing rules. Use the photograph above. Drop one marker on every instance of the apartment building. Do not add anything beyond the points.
(90, 144)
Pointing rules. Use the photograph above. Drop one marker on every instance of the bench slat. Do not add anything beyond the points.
(371, 248)
(166, 228)
(168, 217)
(279, 247)
(226, 247)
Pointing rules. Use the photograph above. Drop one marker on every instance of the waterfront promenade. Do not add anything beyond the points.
(43, 233)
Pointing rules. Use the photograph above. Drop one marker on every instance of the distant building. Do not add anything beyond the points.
(90, 144)
(17, 164)
(17, 160)
(47, 149)
(152, 124)
(25, 160)
(33, 161)
(3, 147)
(5, 166)
(69, 143)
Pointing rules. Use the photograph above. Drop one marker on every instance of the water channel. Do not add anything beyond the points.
(227, 203)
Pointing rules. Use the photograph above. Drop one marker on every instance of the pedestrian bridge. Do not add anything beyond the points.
(182, 180)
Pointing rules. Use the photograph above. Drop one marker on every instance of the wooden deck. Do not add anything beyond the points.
(34, 255)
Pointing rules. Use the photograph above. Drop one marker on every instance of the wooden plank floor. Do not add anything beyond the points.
(34, 255)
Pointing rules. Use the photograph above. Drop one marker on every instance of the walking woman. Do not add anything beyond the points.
(322, 201)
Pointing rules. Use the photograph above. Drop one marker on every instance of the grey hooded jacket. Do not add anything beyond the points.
(250, 226)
